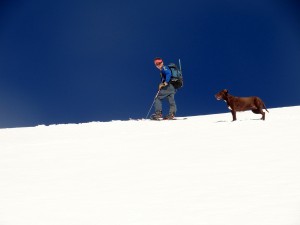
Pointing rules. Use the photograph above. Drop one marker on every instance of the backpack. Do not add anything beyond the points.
(176, 79)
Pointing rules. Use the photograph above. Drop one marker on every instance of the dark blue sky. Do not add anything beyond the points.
(71, 61)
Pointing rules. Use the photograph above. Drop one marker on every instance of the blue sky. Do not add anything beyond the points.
(64, 61)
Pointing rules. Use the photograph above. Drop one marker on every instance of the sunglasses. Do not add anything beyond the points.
(158, 63)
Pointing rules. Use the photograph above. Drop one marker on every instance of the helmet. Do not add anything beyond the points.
(158, 61)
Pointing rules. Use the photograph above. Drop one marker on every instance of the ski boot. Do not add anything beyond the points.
(156, 116)
(171, 116)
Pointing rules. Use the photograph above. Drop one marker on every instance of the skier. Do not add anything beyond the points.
(165, 91)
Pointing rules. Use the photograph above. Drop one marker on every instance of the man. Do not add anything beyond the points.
(166, 91)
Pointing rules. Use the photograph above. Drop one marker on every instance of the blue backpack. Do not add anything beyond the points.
(176, 79)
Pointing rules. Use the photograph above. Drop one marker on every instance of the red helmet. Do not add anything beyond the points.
(158, 61)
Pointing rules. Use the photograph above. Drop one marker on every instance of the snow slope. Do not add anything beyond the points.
(205, 170)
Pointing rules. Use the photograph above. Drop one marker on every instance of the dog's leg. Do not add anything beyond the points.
(233, 115)
(259, 111)
(262, 113)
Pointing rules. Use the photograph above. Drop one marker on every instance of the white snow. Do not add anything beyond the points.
(205, 170)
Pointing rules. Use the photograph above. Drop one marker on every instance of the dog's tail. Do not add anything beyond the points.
(265, 107)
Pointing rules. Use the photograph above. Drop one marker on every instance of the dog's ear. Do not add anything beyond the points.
(226, 91)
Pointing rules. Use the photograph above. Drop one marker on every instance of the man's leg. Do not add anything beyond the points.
(172, 103)
(158, 104)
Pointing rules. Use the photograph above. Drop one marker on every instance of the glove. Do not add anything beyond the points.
(161, 85)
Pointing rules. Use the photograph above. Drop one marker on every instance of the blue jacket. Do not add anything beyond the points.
(165, 74)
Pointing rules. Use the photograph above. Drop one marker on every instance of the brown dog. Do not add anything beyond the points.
(236, 104)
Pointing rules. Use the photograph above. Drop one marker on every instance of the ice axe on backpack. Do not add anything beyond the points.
(152, 104)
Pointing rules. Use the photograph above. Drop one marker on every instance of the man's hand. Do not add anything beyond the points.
(161, 85)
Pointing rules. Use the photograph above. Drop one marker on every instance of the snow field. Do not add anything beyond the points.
(203, 170)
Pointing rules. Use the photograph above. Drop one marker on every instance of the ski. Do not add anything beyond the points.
(142, 119)
(181, 118)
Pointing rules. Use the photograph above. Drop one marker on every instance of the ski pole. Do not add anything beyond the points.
(152, 104)
(180, 70)
(180, 65)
